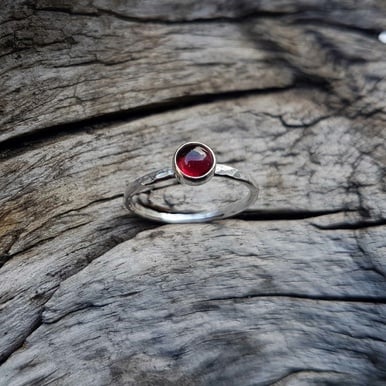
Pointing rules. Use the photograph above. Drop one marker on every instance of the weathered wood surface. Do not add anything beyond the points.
(64, 61)
(293, 292)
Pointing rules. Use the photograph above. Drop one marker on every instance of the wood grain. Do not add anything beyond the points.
(68, 61)
(291, 292)
(215, 303)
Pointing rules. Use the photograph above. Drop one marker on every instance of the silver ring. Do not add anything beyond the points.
(193, 164)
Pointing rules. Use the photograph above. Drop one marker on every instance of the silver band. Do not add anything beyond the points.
(167, 177)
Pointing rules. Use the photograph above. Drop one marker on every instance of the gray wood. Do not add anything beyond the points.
(68, 61)
(292, 292)
(225, 303)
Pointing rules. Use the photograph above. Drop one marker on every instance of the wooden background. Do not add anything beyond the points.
(96, 93)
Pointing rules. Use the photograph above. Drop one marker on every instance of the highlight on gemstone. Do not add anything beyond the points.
(194, 160)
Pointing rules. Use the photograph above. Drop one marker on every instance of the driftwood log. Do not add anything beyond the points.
(96, 93)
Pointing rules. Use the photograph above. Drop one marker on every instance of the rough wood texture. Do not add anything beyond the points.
(292, 292)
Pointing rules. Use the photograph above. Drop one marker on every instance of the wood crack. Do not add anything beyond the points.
(362, 224)
(319, 298)
(197, 20)
(98, 11)
(306, 15)
(23, 142)
(19, 343)
(287, 214)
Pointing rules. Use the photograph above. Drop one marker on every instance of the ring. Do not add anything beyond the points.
(193, 164)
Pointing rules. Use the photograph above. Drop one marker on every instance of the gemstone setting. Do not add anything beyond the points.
(194, 163)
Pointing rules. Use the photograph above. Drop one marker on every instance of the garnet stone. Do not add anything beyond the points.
(194, 160)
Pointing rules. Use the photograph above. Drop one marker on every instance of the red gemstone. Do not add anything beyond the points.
(194, 160)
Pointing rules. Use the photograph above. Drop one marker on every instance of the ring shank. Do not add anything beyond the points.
(166, 177)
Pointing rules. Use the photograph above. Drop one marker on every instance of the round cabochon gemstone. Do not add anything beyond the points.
(194, 160)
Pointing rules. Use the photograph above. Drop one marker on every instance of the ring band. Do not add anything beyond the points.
(193, 164)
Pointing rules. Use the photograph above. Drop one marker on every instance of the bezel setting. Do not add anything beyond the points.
(183, 177)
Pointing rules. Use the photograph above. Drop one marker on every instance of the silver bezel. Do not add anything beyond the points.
(187, 180)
